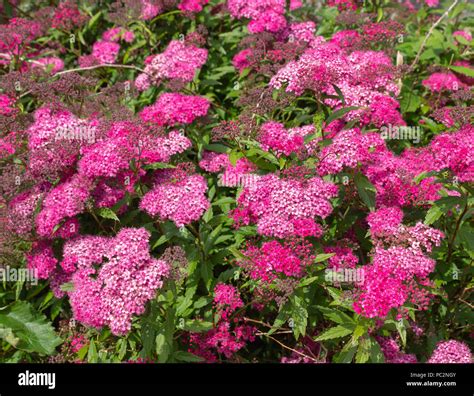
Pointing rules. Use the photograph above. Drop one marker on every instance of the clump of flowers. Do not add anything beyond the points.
(228, 336)
(180, 198)
(451, 351)
(285, 207)
(126, 278)
(175, 108)
(178, 62)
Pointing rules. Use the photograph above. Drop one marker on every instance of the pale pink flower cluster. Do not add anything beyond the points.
(364, 78)
(179, 61)
(182, 200)
(65, 200)
(126, 278)
(451, 351)
(264, 15)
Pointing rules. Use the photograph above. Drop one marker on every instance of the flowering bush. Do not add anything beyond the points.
(236, 181)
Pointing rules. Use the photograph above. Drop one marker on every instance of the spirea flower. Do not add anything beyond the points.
(114, 279)
(175, 108)
(182, 201)
(451, 351)
(278, 205)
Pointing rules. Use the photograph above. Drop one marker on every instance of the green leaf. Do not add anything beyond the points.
(197, 326)
(107, 213)
(92, 356)
(433, 214)
(187, 357)
(159, 165)
(340, 113)
(299, 316)
(336, 332)
(33, 330)
(366, 190)
(335, 315)
(323, 257)
(463, 70)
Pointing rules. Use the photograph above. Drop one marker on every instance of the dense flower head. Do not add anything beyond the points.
(438, 82)
(192, 5)
(344, 257)
(349, 148)
(105, 51)
(227, 300)
(20, 213)
(126, 279)
(277, 205)
(175, 108)
(7, 105)
(41, 259)
(392, 353)
(274, 136)
(451, 351)
(364, 78)
(178, 62)
(65, 200)
(67, 16)
(182, 201)
(241, 59)
(385, 221)
(264, 15)
(273, 259)
(54, 140)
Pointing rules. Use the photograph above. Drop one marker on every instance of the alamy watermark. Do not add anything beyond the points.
(345, 275)
(76, 132)
(237, 180)
(402, 132)
(11, 274)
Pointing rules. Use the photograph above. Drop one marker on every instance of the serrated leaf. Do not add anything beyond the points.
(340, 113)
(107, 213)
(184, 356)
(335, 332)
(33, 330)
(366, 190)
(323, 257)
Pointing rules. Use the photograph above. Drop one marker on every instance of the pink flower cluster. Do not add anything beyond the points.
(7, 105)
(349, 148)
(226, 337)
(396, 272)
(126, 278)
(274, 136)
(392, 353)
(41, 260)
(365, 79)
(117, 33)
(179, 61)
(273, 259)
(63, 201)
(239, 174)
(175, 108)
(264, 15)
(54, 140)
(451, 351)
(192, 5)
(180, 199)
(226, 300)
(438, 82)
(285, 207)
